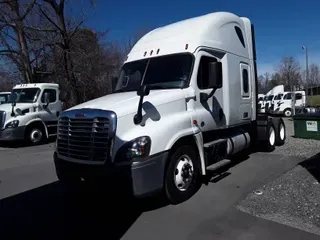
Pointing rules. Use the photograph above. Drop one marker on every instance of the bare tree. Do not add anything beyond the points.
(261, 87)
(13, 36)
(289, 72)
(132, 40)
(54, 13)
(314, 75)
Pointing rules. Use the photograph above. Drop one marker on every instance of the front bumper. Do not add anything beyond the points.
(12, 134)
(140, 178)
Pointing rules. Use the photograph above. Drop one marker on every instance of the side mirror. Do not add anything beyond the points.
(63, 96)
(144, 90)
(215, 75)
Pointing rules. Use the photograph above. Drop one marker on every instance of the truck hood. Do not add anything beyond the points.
(127, 102)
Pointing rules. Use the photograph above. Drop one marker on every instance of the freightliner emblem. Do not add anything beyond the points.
(79, 115)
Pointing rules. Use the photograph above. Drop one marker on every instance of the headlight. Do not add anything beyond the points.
(12, 124)
(137, 148)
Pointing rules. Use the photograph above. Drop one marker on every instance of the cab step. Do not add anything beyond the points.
(217, 165)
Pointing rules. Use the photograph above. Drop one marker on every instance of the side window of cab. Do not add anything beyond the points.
(203, 77)
(52, 95)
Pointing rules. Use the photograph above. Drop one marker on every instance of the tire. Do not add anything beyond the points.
(182, 158)
(269, 145)
(287, 112)
(35, 134)
(280, 129)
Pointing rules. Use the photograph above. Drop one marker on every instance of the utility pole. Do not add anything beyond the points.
(307, 72)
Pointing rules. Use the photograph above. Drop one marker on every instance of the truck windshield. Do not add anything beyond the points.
(160, 73)
(278, 97)
(288, 96)
(3, 98)
(24, 95)
(270, 97)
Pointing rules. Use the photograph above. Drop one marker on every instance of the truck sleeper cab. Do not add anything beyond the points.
(31, 113)
(185, 101)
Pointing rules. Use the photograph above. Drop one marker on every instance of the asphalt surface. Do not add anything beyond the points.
(33, 205)
(291, 199)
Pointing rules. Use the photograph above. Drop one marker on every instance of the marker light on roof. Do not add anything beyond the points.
(158, 50)
(151, 52)
(126, 58)
(145, 53)
(187, 45)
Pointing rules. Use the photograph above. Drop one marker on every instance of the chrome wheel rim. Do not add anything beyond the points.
(184, 172)
(35, 135)
(272, 137)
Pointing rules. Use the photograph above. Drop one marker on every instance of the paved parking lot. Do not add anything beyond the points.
(34, 206)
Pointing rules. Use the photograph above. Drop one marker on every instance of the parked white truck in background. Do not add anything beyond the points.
(271, 97)
(4, 97)
(185, 101)
(31, 114)
(285, 104)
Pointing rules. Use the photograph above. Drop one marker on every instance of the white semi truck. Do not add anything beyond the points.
(31, 113)
(185, 101)
(284, 106)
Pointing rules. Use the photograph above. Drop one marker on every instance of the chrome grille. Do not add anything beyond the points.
(2, 118)
(87, 139)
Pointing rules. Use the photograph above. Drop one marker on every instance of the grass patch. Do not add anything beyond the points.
(314, 100)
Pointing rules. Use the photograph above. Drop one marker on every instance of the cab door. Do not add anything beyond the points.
(49, 113)
(210, 112)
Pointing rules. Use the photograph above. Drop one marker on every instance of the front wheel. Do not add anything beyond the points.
(35, 135)
(287, 112)
(182, 178)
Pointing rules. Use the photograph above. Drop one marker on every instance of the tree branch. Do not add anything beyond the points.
(5, 2)
(53, 4)
(75, 30)
(40, 29)
(7, 52)
(29, 8)
(48, 18)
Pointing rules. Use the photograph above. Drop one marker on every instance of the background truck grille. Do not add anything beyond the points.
(2, 118)
(84, 139)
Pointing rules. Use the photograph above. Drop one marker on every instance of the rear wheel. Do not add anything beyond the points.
(269, 144)
(280, 129)
(182, 178)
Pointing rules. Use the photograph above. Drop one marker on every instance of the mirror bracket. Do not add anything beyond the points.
(144, 90)
(204, 97)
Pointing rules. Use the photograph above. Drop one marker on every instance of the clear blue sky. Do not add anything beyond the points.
(282, 26)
